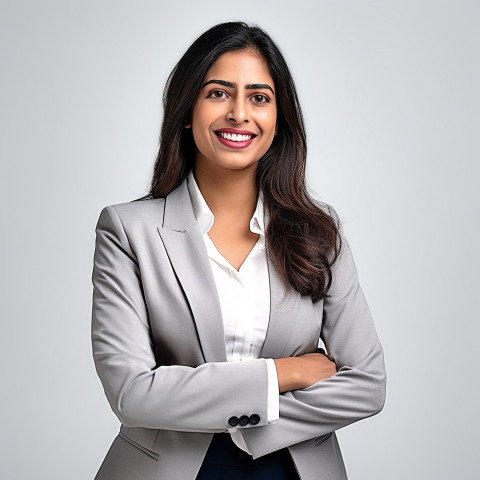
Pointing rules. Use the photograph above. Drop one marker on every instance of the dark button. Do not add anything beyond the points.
(244, 420)
(254, 419)
(233, 421)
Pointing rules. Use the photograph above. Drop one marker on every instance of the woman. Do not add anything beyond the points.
(211, 294)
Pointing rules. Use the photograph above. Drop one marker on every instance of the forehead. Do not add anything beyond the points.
(245, 66)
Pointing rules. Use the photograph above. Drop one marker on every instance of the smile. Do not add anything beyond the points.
(235, 138)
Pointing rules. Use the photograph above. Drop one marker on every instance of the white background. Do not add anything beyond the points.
(390, 94)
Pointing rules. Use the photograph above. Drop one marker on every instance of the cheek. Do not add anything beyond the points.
(201, 141)
(203, 117)
(269, 120)
(199, 128)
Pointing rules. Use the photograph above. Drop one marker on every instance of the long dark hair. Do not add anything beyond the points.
(303, 236)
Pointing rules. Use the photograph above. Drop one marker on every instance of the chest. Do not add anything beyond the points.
(184, 307)
(244, 297)
(234, 244)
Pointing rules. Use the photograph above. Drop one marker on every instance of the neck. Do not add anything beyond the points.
(230, 194)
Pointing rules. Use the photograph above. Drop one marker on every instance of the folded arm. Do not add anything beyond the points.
(141, 394)
(355, 392)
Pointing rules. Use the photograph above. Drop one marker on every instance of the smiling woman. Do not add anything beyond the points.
(212, 292)
(236, 100)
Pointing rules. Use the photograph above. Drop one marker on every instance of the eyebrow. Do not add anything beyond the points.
(250, 86)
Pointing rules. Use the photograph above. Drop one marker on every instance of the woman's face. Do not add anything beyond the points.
(235, 113)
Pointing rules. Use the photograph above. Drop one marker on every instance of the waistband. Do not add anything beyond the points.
(223, 451)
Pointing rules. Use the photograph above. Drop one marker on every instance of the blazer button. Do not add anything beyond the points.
(254, 419)
(233, 421)
(244, 420)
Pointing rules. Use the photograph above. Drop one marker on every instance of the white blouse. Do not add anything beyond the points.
(244, 298)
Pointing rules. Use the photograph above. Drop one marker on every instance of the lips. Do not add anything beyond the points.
(235, 138)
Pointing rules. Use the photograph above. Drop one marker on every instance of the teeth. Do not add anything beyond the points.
(235, 137)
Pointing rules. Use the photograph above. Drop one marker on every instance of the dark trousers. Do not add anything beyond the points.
(225, 461)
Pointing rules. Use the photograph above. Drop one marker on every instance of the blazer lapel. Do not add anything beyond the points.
(186, 250)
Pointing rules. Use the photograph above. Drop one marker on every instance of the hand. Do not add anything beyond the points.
(303, 371)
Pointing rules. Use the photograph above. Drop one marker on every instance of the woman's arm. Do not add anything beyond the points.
(355, 392)
(175, 397)
(295, 373)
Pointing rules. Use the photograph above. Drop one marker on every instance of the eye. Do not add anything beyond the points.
(220, 94)
(259, 98)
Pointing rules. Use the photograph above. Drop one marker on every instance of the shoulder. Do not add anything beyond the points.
(332, 218)
(327, 210)
(142, 206)
(133, 214)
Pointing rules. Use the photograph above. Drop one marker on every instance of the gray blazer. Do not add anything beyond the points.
(159, 350)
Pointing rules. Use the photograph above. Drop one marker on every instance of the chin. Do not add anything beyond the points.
(240, 165)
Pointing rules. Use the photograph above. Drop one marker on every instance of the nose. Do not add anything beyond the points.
(239, 111)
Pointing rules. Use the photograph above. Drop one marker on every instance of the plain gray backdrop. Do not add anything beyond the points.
(390, 94)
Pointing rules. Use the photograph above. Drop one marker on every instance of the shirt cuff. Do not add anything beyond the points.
(273, 405)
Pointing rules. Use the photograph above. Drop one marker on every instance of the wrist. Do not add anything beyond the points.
(288, 373)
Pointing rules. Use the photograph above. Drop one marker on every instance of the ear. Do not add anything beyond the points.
(187, 122)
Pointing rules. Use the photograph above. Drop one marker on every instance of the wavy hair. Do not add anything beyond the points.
(303, 235)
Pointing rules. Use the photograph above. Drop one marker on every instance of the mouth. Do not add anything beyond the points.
(233, 138)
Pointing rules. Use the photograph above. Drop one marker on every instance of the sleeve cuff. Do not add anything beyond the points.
(273, 406)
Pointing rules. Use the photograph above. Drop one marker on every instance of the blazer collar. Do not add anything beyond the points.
(178, 211)
(185, 246)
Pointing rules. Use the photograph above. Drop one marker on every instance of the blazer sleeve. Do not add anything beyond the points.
(141, 394)
(358, 388)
